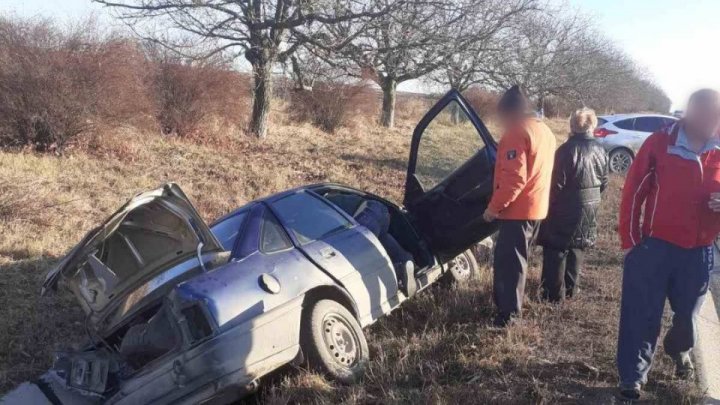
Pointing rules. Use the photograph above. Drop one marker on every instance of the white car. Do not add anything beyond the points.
(623, 134)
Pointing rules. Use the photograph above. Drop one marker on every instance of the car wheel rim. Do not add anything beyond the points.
(340, 340)
(460, 267)
(620, 162)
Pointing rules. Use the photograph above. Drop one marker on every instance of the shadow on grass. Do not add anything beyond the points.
(33, 326)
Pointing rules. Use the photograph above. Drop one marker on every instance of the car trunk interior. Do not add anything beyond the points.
(400, 227)
(149, 239)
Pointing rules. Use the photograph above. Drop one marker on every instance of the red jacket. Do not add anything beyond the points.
(675, 185)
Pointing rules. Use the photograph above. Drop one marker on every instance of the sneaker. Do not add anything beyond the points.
(408, 283)
(629, 395)
(684, 367)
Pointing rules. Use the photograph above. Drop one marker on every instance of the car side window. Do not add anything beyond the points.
(625, 124)
(308, 218)
(228, 229)
(648, 124)
(449, 141)
(272, 236)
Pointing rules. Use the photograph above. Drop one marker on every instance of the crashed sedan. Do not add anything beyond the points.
(178, 311)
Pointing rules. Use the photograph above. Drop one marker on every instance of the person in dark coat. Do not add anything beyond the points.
(580, 175)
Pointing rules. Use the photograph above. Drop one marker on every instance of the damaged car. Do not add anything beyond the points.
(179, 311)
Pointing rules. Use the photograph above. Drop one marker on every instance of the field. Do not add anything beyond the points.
(439, 348)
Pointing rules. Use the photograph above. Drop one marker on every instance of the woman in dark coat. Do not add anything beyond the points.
(580, 175)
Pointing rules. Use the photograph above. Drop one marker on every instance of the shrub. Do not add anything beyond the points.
(189, 93)
(412, 107)
(482, 101)
(57, 84)
(329, 105)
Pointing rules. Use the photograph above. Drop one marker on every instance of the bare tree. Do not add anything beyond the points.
(407, 43)
(486, 34)
(560, 55)
(258, 29)
(549, 48)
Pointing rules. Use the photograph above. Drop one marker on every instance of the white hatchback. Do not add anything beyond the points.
(623, 134)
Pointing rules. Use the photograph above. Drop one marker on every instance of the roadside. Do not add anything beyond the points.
(439, 348)
(707, 351)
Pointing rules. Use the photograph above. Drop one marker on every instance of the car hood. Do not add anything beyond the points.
(151, 233)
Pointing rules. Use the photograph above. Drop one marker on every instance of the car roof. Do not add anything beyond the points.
(618, 117)
(276, 196)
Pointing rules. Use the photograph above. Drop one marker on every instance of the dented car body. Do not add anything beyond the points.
(178, 311)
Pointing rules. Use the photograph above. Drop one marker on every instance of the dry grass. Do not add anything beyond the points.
(438, 348)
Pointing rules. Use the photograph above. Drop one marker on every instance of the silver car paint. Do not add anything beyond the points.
(627, 139)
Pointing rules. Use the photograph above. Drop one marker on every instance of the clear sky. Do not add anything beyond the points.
(675, 40)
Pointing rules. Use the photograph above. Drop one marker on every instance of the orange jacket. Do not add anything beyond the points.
(523, 171)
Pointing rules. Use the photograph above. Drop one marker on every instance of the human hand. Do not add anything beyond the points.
(489, 215)
(714, 203)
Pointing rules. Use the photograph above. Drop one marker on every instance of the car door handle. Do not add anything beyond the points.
(327, 253)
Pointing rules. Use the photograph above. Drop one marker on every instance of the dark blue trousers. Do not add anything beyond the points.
(656, 270)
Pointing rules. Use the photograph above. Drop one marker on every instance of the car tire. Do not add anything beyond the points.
(464, 267)
(333, 342)
(620, 160)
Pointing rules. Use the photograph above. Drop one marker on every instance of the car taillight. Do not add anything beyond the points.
(603, 132)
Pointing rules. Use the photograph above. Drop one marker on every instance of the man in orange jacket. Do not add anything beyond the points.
(523, 173)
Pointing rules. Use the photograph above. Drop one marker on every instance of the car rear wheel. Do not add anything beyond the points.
(620, 161)
(333, 342)
(464, 266)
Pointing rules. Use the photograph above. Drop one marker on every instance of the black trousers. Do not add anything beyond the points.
(510, 264)
(560, 273)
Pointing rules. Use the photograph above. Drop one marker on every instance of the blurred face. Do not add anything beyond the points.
(510, 119)
(702, 117)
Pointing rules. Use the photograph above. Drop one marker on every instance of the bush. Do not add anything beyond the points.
(188, 94)
(412, 107)
(329, 105)
(56, 84)
(482, 101)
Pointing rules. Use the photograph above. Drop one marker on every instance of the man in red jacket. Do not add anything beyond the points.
(676, 177)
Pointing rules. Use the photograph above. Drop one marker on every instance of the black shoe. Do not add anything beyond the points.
(502, 320)
(629, 395)
(684, 367)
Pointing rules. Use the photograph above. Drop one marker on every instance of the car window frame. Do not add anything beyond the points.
(660, 121)
(632, 125)
(271, 214)
(241, 229)
(296, 241)
(479, 134)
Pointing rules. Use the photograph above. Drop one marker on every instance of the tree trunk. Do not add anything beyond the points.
(456, 113)
(262, 93)
(387, 118)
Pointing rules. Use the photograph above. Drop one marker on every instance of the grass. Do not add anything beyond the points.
(438, 348)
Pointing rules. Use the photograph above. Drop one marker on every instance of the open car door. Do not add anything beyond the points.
(450, 176)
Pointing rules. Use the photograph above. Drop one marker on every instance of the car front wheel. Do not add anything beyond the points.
(333, 342)
(620, 161)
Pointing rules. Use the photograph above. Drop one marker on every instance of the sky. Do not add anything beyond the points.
(674, 40)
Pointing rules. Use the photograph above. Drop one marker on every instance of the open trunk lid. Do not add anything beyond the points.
(151, 233)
